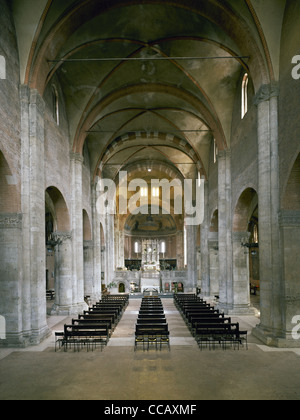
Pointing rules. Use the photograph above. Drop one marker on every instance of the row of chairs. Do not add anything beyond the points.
(151, 327)
(94, 327)
(208, 325)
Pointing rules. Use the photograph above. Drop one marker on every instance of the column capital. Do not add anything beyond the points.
(223, 154)
(266, 92)
(76, 157)
(10, 220)
(242, 237)
(289, 218)
(62, 236)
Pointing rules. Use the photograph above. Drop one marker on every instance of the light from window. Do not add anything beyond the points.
(245, 95)
(255, 234)
(136, 247)
(216, 151)
(144, 192)
(163, 247)
(155, 192)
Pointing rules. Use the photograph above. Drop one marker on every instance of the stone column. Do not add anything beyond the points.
(225, 240)
(271, 285)
(11, 278)
(119, 247)
(179, 250)
(64, 299)
(110, 247)
(241, 296)
(97, 293)
(35, 328)
(204, 248)
(191, 259)
(214, 272)
(88, 268)
(77, 231)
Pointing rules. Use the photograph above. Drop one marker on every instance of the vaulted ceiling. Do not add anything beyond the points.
(147, 83)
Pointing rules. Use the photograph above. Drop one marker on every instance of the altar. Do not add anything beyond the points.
(151, 267)
(150, 280)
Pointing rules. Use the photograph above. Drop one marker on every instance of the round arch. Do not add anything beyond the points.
(61, 215)
(243, 208)
(87, 230)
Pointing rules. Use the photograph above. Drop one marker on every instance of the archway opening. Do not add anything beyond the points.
(121, 288)
(58, 259)
(246, 252)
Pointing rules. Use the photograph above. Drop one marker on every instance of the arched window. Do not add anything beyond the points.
(55, 104)
(245, 95)
(216, 151)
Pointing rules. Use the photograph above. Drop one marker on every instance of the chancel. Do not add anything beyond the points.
(149, 149)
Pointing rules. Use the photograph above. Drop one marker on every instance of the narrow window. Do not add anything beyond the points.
(163, 247)
(136, 247)
(216, 151)
(245, 95)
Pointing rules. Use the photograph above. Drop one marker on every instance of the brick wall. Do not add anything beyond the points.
(10, 144)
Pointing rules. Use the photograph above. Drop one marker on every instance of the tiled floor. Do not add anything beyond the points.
(118, 373)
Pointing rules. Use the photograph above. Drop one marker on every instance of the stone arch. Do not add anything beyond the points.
(61, 213)
(121, 287)
(60, 245)
(243, 208)
(232, 23)
(241, 249)
(214, 224)
(87, 229)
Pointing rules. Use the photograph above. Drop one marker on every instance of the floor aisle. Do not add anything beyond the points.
(118, 373)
